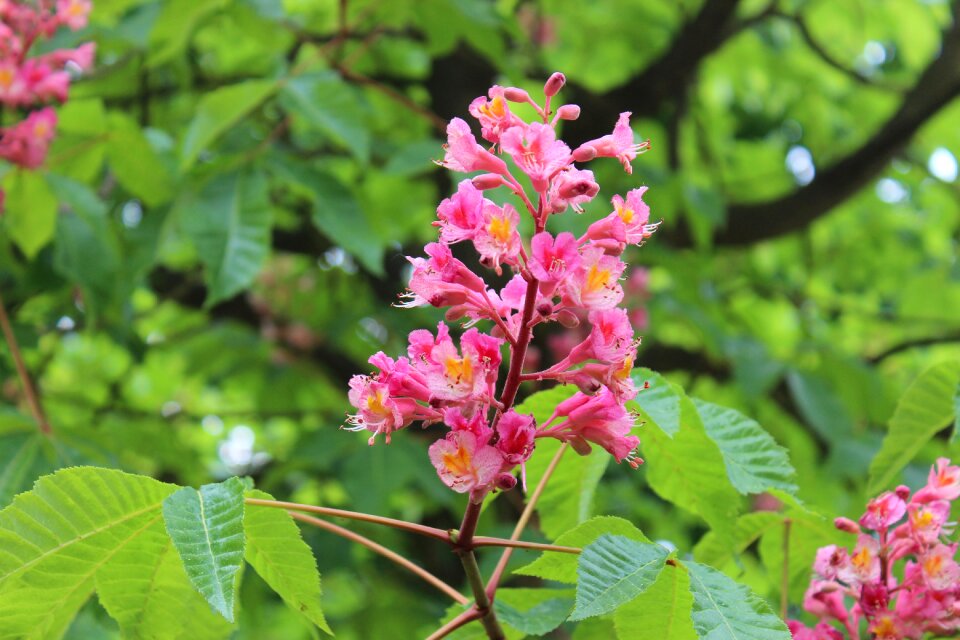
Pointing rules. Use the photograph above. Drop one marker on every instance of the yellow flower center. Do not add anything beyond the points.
(597, 278)
(75, 9)
(921, 519)
(500, 229)
(6, 78)
(495, 108)
(40, 130)
(624, 371)
(375, 404)
(459, 370)
(932, 565)
(459, 462)
(861, 559)
(885, 628)
(625, 213)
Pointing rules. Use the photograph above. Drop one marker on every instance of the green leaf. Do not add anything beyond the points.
(22, 459)
(567, 499)
(281, 557)
(220, 110)
(689, 471)
(206, 527)
(955, 436)
(614, 570)
(86, 251)
(229, 221)
(332, 106)
(175, 25)
(146, 590)
(30, 210)
(662, 611)
(660, 403)
(338, 214)
(55, 538)
(562, 567)
(725, 610)
(134, 162)
(755, 462)
(534, 611)
(926, 407)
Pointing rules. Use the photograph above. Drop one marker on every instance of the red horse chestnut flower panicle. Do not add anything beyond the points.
(927, 597)
(555, 278)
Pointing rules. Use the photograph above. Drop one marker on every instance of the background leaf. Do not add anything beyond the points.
(30, 210)
(725, 610)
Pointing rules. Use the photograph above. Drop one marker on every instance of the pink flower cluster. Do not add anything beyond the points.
(896, 601)
(554, 278)
(33, 81)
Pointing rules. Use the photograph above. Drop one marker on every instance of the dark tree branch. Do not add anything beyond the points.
(906, 345)
(936, 87)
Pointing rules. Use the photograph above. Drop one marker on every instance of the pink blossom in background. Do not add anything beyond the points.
(862, 584)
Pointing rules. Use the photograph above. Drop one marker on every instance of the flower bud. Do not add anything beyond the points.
(455, 313)
(847, 525)
(554, 83)
(903, 492)
(568, 112)
(568, 319)
(584, 153)
(506, 481)
(515, 94)
(582, 187)
(580, 445)
(487, 181)
(448, 298)
(545, 308)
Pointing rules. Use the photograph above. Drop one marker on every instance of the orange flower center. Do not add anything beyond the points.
(597, 278)
(459, 463)
(459, 370)
(495, 108)
(625, 213)
(500, 229)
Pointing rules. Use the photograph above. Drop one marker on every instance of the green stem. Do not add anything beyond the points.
(488, 618)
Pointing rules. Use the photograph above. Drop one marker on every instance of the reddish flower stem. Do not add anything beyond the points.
(29, 391)
(412, 527)
(467, 616)
(385, 552)
(483, 541)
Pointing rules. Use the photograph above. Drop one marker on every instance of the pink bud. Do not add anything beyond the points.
(847, 525)
(455, 313)
(554, 83)
(568, 112)
(486, 181)
(545, 308)
(575, 188)
(506, 481)
(584, 154)
(514, 94)
(903, 492)
(568, 319)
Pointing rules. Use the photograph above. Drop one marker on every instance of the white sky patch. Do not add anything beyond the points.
(799, 162)
(943, 164)
(131, 214)
(874, 53)
(237, 449)
(891, 191)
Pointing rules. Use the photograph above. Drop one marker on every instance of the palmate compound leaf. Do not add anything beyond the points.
(614, 570)
(725, 610)
(281, 557)
(928, 405)
(534, 611)
(55, 539)
(206, 527)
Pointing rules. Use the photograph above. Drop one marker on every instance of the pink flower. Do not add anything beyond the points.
(942, 484)
(940, 570)
(822, 631)
(594, 284)
(600, 419)
(73, 13)
(82, 56)
(572, 188)
(379, 411)
(830, 561)
(496, 237)
(475, 424)
(553, 257)
(926, 520)
(864, 565)
(26, 142)
(516, 436)
(465, 464)
(886, 627)
(635, 215)
(464, 154)
(441, 280)
(451, 376)
(883, 511)
(460, 214)
(494, 114)
(536, 150)
(824, 598)
(610, 339)
(619, 145)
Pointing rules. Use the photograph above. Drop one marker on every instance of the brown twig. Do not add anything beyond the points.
(467, 616)
(29, 391)
(412, 527)
(386, 553)
(484, 541)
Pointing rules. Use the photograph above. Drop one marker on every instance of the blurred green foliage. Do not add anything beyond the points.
(214, 244)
